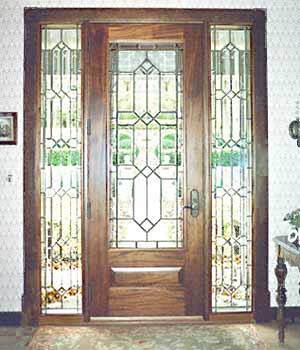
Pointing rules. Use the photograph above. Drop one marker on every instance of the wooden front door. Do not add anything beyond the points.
(144, 106)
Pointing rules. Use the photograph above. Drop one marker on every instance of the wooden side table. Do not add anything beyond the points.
(286, 252)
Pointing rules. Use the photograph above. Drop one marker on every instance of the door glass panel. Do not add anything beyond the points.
(61, 285)
(146, 146)
(231, 169)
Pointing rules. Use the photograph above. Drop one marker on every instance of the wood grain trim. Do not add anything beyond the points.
(193, 112)
(145, 257)
(84, 177)
(124, 301)
(231, 317)
(261, 295)
(141, 15)
(207, 179)
(146, 276)
(61, 320)
(31, 169)
(96, 76)
(146, 32)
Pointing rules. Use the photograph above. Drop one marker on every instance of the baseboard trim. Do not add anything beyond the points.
(10, 318)
(15, 318)
(291, 312)
(61, 320)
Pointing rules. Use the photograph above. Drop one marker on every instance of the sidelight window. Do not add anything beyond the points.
(231, 165)
(61, 285)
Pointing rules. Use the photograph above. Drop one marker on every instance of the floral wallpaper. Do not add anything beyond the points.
(283, 42)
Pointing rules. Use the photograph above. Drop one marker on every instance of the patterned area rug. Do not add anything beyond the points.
(178, 337)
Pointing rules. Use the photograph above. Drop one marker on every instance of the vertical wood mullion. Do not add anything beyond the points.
(31, 168)
(84, 164)
(194, 128)
(96, 89)
(207, 184)
(261, 295)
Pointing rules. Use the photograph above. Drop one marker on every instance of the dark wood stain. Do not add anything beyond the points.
(96, 76)
(193, 113)
(84, 179)
(32, 184)
(145, 257)
(146, 32)
(96, 256)
(142, 15)
(146, 301)
(154, 276)
(207, 180)
(261, 295)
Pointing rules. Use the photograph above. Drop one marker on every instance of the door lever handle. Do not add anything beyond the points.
(194, 206)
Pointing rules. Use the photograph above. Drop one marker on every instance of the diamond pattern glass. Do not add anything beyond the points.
(61, 285)
(146, 146)
(231, 169)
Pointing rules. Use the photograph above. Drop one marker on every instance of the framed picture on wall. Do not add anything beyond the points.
(8, 128)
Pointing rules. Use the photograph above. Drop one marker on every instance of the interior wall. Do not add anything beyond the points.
(283, 43)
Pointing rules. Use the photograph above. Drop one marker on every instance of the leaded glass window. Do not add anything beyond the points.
(61, 281)
(146, 146)
(231, 169)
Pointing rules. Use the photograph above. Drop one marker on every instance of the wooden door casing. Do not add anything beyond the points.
(34, 19)
(144, 282)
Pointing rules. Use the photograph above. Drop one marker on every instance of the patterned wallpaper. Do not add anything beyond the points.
(283, 42)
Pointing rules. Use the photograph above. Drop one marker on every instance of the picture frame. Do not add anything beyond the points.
(8, 128)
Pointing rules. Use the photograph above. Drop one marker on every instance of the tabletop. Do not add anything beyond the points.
(289, 251)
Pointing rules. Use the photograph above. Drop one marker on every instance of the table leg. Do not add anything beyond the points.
(299, 282)
(281, 272)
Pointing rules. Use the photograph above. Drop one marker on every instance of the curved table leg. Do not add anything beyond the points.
(281, 272)
(299, 282)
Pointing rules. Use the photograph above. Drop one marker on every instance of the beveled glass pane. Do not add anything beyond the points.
(146, 146)
(231, 169)
(61, 282)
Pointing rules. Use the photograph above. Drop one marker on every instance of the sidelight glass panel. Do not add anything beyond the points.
(231, 169)
(146, 146)
(61, 282)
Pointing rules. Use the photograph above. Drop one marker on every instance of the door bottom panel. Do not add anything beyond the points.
(146, 301)
(146, 276)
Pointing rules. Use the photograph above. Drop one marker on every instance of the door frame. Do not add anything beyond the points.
(101, 260)
(34, 19)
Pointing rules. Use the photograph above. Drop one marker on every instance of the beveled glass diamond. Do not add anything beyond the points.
(146, 225)
(61, 143)
(147, 171)
(146, 118)
(230, 46)
(147, 65)
(231, 143)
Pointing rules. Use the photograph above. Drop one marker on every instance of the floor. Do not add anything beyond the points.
(13, 338)
(268, 333)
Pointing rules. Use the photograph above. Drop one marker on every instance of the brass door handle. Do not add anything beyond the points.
(194, 206)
